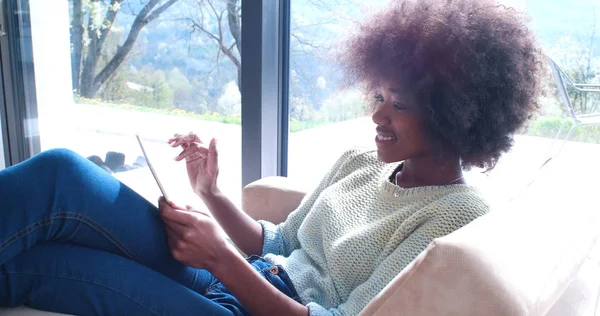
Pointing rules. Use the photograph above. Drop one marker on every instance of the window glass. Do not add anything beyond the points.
(106, 70)
(326, 119)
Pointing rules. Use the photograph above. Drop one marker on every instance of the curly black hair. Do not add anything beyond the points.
(473, 65)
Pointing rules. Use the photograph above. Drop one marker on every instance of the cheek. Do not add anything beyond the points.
(411, 134)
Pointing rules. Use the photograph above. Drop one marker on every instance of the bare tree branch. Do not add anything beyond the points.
(219, 20)
(160, 10)
(303, 42)
(196, 26)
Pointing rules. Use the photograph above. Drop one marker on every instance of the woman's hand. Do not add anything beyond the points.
(201, 161)
(193, 236)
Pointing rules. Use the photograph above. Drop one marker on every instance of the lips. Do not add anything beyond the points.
(385, 135)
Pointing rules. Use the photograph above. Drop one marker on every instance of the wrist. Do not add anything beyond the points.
(209, 193)
(227, 258)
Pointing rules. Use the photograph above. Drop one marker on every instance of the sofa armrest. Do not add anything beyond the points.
(271, 198)
(517, 261)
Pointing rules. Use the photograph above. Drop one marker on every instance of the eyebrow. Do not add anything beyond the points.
(395, 91)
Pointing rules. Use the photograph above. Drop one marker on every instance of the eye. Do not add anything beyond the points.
(399, 106)
(379, 98)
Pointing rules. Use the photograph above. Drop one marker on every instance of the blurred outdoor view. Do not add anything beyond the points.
(163, 66)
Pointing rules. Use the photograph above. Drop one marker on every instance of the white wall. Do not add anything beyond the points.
(52, 63)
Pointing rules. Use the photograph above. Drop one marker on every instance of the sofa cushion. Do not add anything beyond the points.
(516, 260)
(581, 296)
(271, 198)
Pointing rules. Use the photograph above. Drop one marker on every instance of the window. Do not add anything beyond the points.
(568, 33)
(180, 74)
(325, 120)
(103, 73)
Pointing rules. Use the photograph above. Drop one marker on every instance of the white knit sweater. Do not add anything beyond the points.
(351, 236)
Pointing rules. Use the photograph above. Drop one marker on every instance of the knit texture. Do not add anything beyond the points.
(350, 237)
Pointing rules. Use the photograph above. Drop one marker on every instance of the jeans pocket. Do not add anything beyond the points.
(279, 278)
(276, 275)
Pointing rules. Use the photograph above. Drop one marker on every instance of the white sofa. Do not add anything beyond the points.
(532, 256)
(536, 255)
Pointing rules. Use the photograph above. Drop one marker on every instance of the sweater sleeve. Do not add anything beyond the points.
(435, 224)
(282, 239)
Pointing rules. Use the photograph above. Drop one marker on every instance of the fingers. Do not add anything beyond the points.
(212, 160)
(203, 212)
(193, 152)
(162, 202)
(175, 228)
(174, 214)
(174, 242)
(181, 140)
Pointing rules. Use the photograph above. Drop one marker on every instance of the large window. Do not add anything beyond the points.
(106, 70)
(325, 120)
(93, 75)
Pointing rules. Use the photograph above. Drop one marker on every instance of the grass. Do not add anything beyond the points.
(295, 126)
(545, 126)
(548, 126)
(214, 117)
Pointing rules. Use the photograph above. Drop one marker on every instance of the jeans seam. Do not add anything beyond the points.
(212, 288)
(83, 281)
(67, 215)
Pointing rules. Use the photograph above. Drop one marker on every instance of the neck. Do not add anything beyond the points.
(430, 171)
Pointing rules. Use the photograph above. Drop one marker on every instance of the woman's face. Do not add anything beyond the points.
(400, 125)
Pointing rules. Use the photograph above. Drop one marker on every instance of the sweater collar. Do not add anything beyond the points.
(390, 191)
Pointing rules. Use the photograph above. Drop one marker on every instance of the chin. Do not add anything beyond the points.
(387, 158)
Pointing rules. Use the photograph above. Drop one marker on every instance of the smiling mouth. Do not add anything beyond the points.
(385, 138)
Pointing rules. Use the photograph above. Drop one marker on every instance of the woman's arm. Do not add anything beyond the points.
(252, 290)
(202, 164)
(194, 239)
(244, 231)
(248, 235)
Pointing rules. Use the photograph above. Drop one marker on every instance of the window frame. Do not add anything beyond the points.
(265, 89)
(20, 138)
(264, 86)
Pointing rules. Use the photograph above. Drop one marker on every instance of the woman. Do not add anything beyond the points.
(451, 82)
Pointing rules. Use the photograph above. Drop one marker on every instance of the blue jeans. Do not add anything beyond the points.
(73, 239)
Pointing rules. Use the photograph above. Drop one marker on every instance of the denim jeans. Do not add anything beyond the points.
(75, 240)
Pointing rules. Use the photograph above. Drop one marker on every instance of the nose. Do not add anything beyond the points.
(380, 116)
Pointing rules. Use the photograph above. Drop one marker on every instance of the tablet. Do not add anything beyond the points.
(162, 189)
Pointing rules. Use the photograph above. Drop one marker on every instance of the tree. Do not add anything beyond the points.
(343, 105)
(580, 60)
(162, 96)
(230, 102)
(301, 109)
(90, 26)
(203, 16)
(182, 89)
